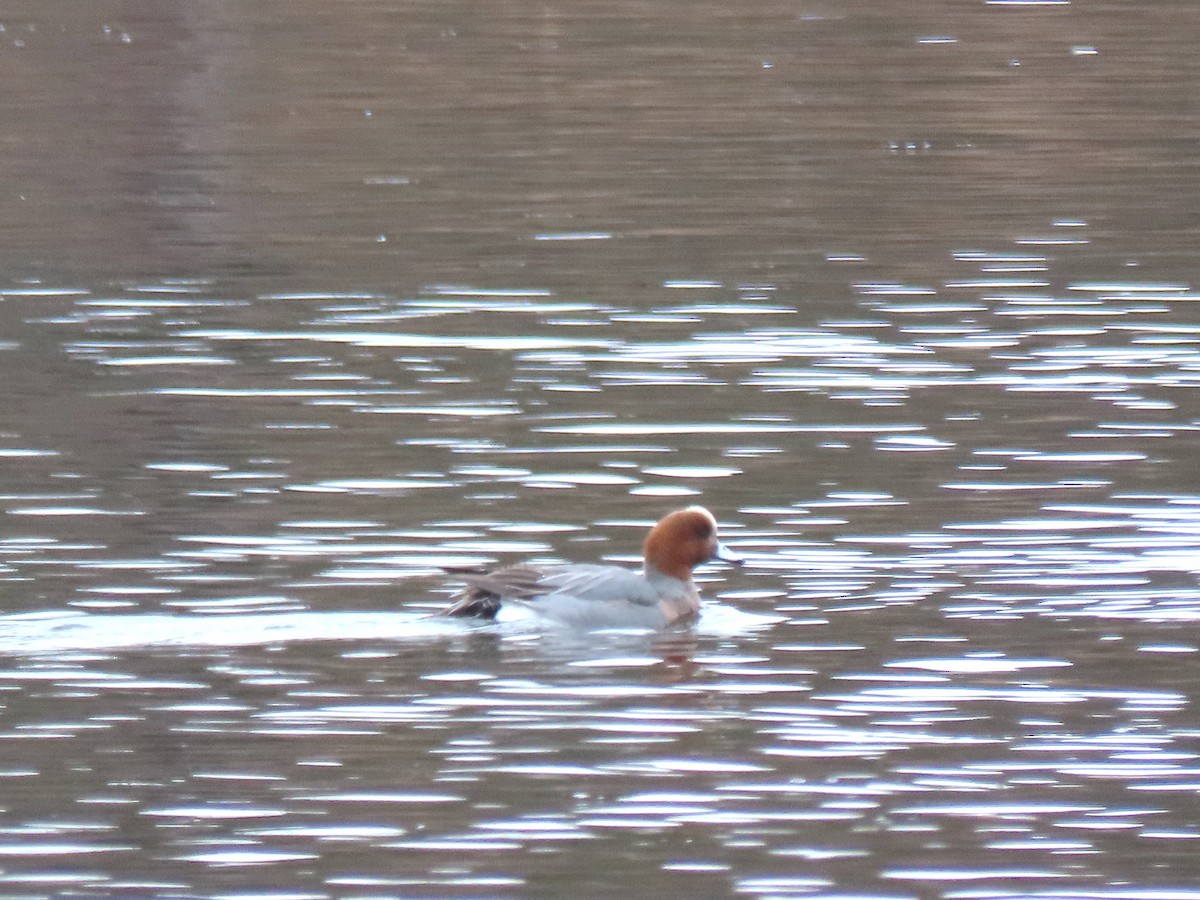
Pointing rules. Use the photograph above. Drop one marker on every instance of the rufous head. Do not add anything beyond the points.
(683, 540)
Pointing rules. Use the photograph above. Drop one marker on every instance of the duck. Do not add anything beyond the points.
(594, 596)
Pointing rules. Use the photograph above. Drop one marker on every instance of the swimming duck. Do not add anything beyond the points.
(605, 596)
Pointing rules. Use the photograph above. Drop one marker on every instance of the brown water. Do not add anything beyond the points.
(300, 302)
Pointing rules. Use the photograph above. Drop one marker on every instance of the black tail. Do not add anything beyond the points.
(475, 603)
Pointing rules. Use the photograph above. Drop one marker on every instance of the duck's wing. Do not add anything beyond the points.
(550, 589)
(486, 589)
(595, 584)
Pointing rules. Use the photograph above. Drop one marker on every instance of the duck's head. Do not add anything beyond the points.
(683, 540)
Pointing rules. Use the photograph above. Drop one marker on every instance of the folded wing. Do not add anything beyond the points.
(551, 589)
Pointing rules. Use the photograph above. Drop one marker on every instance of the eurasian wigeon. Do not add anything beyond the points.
(604, 596)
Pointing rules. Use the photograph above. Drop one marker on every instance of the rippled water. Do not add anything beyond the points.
(956, 447)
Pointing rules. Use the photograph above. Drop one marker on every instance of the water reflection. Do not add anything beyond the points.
(907, 300)
(706, 749)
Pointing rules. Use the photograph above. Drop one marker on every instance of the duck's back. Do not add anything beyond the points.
(589, 596)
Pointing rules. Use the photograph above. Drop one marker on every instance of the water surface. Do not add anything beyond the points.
(300, 305)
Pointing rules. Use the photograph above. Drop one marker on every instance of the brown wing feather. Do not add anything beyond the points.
(485, 590)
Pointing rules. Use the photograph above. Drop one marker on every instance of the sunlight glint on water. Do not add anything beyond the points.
(907, 299)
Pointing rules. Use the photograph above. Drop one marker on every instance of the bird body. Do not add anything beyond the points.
(592, 595)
